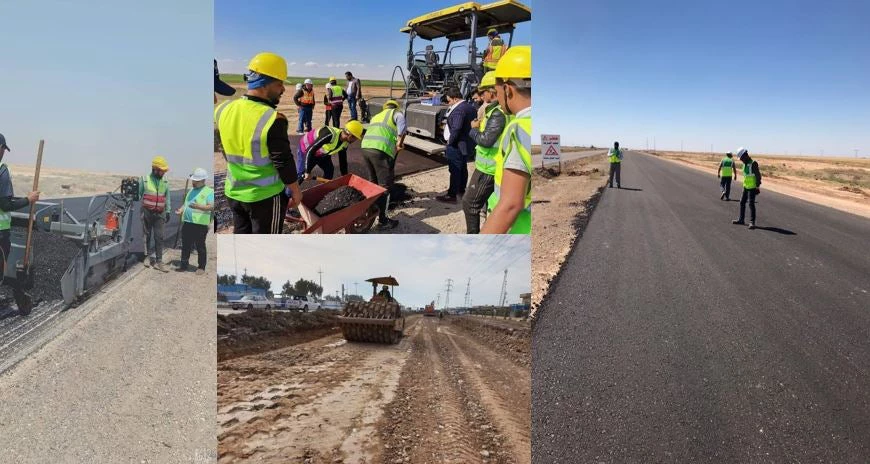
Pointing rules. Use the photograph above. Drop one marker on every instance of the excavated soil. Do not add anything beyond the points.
(256, 331)
(513, 338)
(337, 199)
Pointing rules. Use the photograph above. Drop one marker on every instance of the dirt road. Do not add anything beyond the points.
(441, 395)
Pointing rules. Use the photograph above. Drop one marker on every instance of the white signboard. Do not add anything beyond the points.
(551, 148)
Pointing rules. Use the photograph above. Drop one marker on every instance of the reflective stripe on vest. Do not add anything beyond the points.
(613, 155)
(5, 216)
(243, 125)
(382, 133)
(516, 136)
(484, 159)
(198, 216)
(330, 148)
(749, 182)
(727, 165)
(495, 54)
(154, 194)
(307, 97)
(336, 95)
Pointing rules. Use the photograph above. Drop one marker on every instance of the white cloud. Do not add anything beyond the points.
(292, 63)
(311, 63)
(330, 65)
(362, 65)
(380, 66)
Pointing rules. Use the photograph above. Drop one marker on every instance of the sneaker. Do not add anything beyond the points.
(200, 272)
(618, 186)
(446, 198)
(300, 133)
(751, 225)
(738, 221)
(387, 224)
(722, 197)
(161, 267)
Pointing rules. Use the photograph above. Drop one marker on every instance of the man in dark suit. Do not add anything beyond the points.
(460, 145)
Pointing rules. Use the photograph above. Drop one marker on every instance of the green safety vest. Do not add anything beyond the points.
(382, 133)
(5, 216)
(154, 194)
(516, 135)
(484, 159)
(243, 125)
(198, 216)
(613, 155)
(749, 181)
(727, 166)
(336, 145)
(336, 95)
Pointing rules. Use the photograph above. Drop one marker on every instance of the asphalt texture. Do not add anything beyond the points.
(672, 335)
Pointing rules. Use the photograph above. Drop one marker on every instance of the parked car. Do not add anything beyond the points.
(252, 302)
(303, 303)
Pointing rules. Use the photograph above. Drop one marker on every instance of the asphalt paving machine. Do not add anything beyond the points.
(378, 320)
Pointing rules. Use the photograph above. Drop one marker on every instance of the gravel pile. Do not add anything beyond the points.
(337, 199)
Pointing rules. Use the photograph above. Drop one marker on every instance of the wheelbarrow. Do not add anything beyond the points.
(355, 219)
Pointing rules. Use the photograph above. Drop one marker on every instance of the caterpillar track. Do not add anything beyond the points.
(372, 322)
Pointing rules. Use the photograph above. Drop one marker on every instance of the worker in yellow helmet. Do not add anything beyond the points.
(260, 162)
(317, 147)
(154, 192)
(486, 131)
(494, 51)
(384, 139)
(336, 97)
(510, 205)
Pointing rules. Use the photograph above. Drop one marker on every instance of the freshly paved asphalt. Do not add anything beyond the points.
(674, 336)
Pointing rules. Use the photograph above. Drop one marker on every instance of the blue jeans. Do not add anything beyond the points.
(351, 100)
(305, 114)
(458, 171)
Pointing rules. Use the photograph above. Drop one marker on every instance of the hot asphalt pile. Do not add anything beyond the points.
(52, 256)
(254, 331)
(337, 199)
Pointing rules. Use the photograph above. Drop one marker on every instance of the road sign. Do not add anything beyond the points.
(551, 149)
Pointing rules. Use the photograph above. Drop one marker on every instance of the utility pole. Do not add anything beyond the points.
(447, 299)
(438, 301)
(856, 152)
(320, 271)
(503, 292)
(468, 292)
(342, 293)
(356, 288)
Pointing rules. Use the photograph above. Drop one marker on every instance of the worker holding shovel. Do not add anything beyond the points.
(196, 217)
(9, 203)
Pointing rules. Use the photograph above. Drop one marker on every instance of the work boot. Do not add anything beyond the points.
(161, 267)
(722, 197)
(738, 221)
(200, 272)
(181, 268)
(751, 225)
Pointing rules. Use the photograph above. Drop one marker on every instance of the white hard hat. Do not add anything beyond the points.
(742, 151)
(308, 81)
(199, 174)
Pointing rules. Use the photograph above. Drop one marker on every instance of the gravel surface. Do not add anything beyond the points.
(337, 199)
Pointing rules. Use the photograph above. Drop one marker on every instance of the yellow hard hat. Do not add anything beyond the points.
(516, 64)
(159, 162)
(392, 103)
(269, 64)
(488, 80)
(355, 128)
(332, 78)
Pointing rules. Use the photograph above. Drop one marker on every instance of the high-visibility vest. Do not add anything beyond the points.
(484, 159)
(517, 135)
(243, 126)
(495, 53)
(749, 181)
(336, 95)
(727, 167)
(198, 216)
(154, 193)
(330, 148)
(307, 97)
(382, 133)
(613, 155)
(5, 216)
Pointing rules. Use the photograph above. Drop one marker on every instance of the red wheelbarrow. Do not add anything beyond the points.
(355, 219)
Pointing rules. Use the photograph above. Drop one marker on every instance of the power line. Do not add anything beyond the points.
(449, 287)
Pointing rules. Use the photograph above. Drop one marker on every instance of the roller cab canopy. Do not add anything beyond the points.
(389, 280)
(450, 22)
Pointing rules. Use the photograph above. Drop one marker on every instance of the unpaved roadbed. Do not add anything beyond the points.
(256, 331)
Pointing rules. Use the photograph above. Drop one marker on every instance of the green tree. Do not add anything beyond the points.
(307, 287)
(257, 282)
(288, 289)
(226, 279)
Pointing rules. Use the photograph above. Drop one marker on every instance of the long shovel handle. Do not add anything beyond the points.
(33, 206)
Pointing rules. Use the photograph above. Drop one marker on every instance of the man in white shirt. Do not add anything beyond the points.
(354, 92)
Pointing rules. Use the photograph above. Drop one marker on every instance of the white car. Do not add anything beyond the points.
(303, 303)
(252, 302)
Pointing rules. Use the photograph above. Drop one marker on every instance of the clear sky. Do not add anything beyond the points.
(363, 38)
(772, 75)
(108, 84)
(421, 263)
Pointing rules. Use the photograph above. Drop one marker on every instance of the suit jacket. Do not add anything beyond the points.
(459, 122)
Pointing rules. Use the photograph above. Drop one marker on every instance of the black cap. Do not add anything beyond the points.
(3, 142)
(220, 86)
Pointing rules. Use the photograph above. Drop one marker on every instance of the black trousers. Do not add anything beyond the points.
(382, 171)
(6, 246)
(336, 115)
(153, 225)
(325, 164)
(480, 187)
(615, 169)
(750, 196)
(193, 236)
(261, 217)
(725, 183)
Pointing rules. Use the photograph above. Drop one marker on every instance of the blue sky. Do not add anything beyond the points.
(421, 263)
(365, 40)
(108, 84)
(775, 76)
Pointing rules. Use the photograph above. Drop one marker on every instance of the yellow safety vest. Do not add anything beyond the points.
(382, 133)
(198, 216)
(613, 155)
(484, 159)
(517, 136)
(727, 167)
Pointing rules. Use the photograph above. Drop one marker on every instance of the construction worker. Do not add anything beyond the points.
(614, 155)
(486, 132)
(354, 92)
(220, 86)
(725, 173)
(154, 192)
(336, 96)
(385, 293)
(751, 186)
(510, 205)
(257, 149)
(494, 51)
(304, 99)
(196, 215)
(8, 203)
(383, 140)
(315, 149)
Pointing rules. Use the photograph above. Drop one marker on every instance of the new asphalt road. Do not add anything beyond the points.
(674, 336)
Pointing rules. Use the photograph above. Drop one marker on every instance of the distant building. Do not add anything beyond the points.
(526, 298)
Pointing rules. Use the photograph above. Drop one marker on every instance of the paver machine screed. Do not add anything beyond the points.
(458, 64)
(378, 320)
